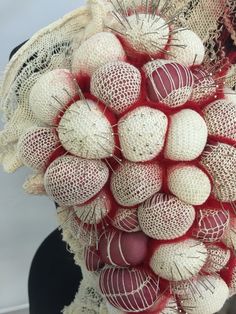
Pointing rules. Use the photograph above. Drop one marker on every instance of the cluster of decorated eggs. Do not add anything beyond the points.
(138, 143)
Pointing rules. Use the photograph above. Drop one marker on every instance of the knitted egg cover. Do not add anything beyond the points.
(129, 127)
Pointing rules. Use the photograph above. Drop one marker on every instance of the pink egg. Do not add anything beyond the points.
(126, 219)
(92, 259)
(210, 224)
(129, 289)
(121, 248)
(168, 82)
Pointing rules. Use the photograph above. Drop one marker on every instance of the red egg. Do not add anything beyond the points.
(210, 224)
(168, 82)
(121, 248)
(129, 289)
(126, 219)
(92, 259)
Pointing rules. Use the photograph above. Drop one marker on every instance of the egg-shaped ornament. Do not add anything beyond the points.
(126, 219)
(51, 93)
(220, 161)
(166, 304)
(92, 259)
(217, 258)
(96, 51)
(165, 217)
(120, 248)
(168, 82)
(189, 183)
(117, 84)
(70, 180)
(142, 133)
(143, 34)
(129, 289)
(204, 85)
(85, 131)
(210, 224)
(220, 117)
(132, 183)
(186, 47)
(36, 146)
(179, 260)
(187, 136)
(205, 294)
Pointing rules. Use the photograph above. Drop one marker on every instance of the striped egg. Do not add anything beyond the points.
(168, 82)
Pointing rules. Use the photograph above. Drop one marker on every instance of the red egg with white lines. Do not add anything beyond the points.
(129, 289)
(121, 248)
(168, 82)
(92, 259)
(126, 219)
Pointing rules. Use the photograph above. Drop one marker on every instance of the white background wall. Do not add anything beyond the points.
(24, 220)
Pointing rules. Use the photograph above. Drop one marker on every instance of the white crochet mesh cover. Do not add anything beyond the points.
(66, 183)
(133, 183)
(189, 183)
(220, 161)
(110, 44)
(142, 133)
(36, 146)
(220, 117)
(217, 259)
(104, 46)
(179, 261)
(165, 217)
(84, 131)
(187, 136)
(117, 84)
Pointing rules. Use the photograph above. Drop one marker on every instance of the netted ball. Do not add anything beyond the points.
(79, 232)
(229, 237)
(142, 133)
(84, 131)
(148, 34)
(232, 283)
(217, 258)
(165, 217)
(126, 219)
(187, 136)
(166, 304)
(189, 183)
(209, 295)
(96, 210)
(36, 146)
(96, 51)
(70, 180)
(129, 289)
(117, 84)
(51, 93)
(92, 260)
(120, 248)
(187, 48)
(168, 82)
(220, 161)
(220, 117)
(133, 183)
(204, 85)
(178, 261)
(210, 224)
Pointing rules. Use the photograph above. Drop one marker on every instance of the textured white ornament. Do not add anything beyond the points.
(220, 161)
(217, 259)
(36, 146)
(189, 183)
(84, 131)
(117, 84)
(51, 92)
(71, 180)
(220, 117)
(209, 295)
(133, 183)
(146, 34)
(187, 136)
(165, 217)
(142, 133)
(96, 51)
(178, 261)
(204, 85)
(187, 48)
